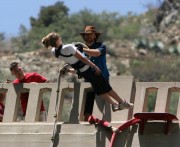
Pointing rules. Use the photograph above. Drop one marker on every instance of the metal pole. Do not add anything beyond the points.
(56, 106)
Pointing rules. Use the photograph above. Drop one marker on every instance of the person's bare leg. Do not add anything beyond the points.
(108, 98)
(114, 95)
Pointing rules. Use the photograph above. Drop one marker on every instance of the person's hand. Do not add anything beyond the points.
(64, 71)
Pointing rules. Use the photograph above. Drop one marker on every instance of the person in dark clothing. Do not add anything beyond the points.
(97, 53)
(97, 50)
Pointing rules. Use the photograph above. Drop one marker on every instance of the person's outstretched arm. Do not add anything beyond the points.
(86, 61)
(92, 52)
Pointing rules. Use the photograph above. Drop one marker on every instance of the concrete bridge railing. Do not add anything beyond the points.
(76, 132)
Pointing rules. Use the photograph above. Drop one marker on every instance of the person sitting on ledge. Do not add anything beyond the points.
(22, 77)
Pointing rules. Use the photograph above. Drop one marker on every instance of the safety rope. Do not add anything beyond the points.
(94, 120)
(123, 127)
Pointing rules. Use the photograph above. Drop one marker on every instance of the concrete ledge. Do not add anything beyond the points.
(39, 135)
(26, 128)
(154, 140)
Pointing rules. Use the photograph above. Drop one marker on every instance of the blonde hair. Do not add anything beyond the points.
(50, 40)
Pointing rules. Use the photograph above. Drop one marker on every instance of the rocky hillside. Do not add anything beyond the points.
(166, 36)
(39, 61)
(165, 39)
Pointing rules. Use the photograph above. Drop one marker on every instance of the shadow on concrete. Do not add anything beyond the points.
(57, 139)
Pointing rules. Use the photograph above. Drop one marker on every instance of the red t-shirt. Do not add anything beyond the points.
(28, 78)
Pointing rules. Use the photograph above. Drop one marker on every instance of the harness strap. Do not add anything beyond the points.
(77, 66)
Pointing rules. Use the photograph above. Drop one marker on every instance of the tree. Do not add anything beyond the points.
(48, 15)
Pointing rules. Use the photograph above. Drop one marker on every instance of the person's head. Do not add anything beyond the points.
(16, 70)
(52, 40)
(90, 34)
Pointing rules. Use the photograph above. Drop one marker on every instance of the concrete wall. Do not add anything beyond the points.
(78, 133)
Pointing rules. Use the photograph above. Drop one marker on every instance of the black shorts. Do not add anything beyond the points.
(99, 83)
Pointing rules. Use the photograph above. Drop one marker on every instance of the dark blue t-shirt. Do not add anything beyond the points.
(100, 61)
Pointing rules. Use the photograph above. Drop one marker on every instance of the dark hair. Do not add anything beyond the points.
(12, 65)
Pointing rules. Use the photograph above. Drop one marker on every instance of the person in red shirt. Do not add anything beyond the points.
(33, 77)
